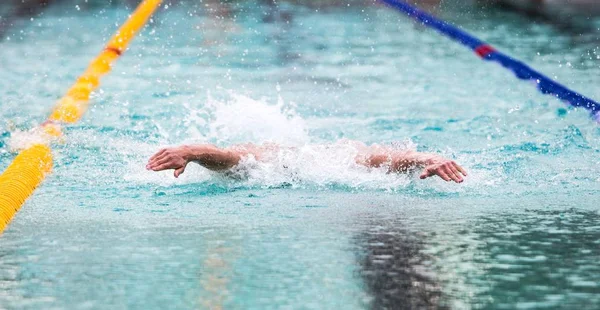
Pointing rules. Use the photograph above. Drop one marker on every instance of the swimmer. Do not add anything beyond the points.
(373, 156)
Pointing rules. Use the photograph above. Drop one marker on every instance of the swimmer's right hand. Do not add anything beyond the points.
(175, 158)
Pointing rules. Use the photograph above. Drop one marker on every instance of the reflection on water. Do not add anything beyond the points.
(216, 270)
(549, 257)
(299, 249)
(430, 258)
(394, 268)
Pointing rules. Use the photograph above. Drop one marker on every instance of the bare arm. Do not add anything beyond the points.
(209, 156)
(433, 164)
(217, 159)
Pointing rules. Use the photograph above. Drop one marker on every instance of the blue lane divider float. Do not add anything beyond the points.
(545, 84)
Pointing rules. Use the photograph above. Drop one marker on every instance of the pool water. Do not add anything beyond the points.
(102, 232)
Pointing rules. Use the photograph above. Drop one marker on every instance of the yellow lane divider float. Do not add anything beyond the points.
(30, 167)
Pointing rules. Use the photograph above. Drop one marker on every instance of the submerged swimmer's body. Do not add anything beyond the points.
(373, 156)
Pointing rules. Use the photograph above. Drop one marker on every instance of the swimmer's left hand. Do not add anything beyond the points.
(446, 169)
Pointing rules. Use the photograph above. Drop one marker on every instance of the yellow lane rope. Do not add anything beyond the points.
(30, 167)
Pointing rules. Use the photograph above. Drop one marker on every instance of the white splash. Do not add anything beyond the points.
(20, 140)
(242, 120)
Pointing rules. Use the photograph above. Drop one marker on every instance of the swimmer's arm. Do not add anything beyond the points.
(432, 164)
(208, 156)
(212, 157)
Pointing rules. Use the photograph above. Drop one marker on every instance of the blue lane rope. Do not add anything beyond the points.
(545, 84)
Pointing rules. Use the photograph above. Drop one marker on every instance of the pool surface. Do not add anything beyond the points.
(522, 232)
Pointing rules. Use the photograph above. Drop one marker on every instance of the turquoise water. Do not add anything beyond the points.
(102, 232)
